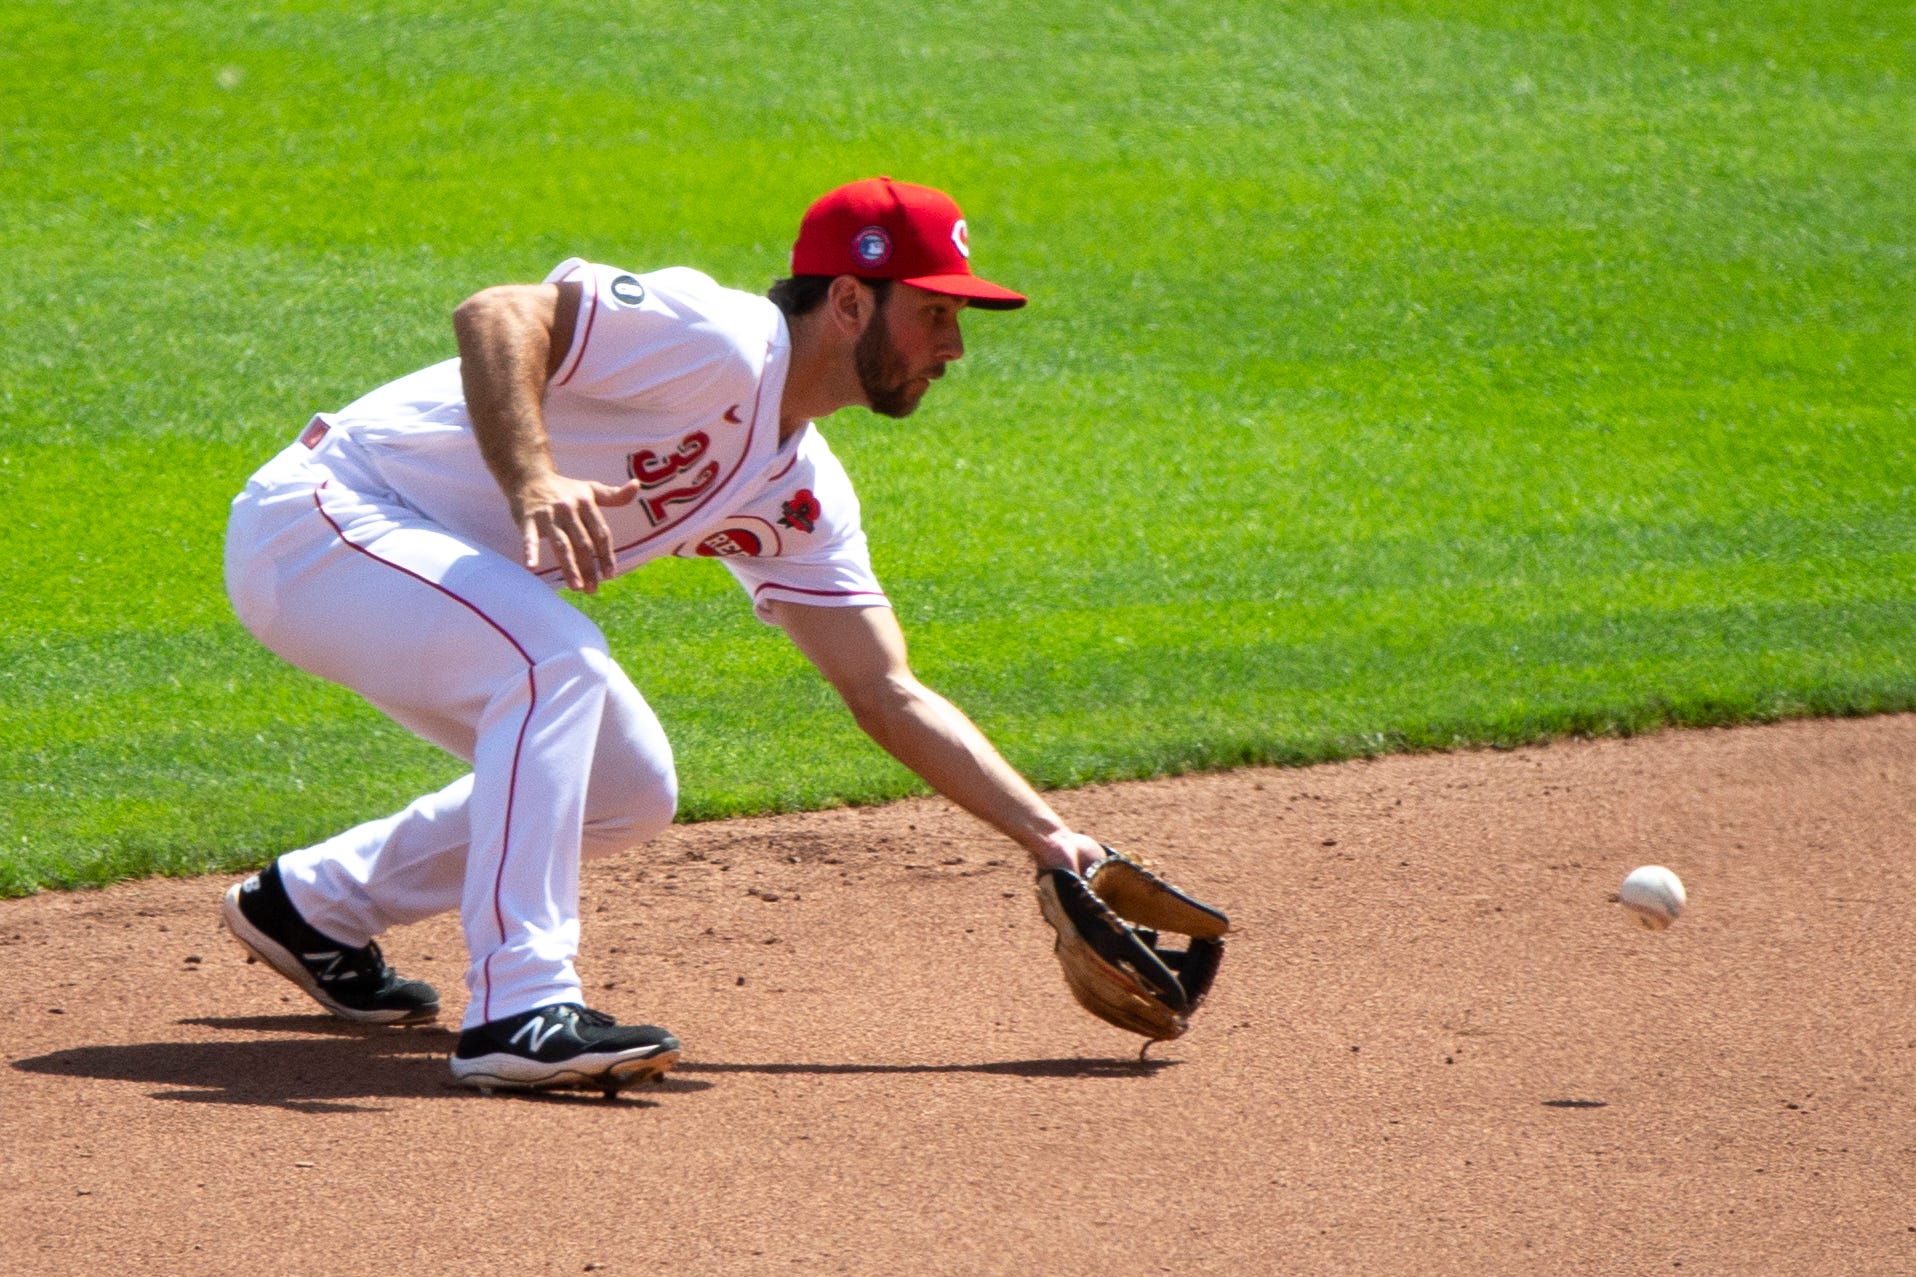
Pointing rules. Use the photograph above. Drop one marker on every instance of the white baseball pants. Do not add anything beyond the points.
(474, 653)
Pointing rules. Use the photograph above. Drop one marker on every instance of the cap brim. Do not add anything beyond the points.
(980, 293)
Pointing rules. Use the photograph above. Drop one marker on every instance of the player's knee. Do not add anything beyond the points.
(591, 660)
(634, 792)
(596, 657)
(580, 672)
(635, 812)
(647, 793)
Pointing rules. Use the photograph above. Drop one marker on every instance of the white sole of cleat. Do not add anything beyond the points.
(510, 1073)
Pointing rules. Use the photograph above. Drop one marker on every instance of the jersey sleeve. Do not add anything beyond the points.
(800, 540)
(658, 338)
(841, 578)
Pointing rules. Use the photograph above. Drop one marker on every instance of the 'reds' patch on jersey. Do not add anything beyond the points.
(743, 536)
(730, 541)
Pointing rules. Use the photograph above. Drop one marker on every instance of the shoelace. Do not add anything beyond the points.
(369, 963)
(598, 1019)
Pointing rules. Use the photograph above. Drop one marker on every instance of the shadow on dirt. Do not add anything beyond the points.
(314, 1025)
(334, 1066)
(329, 1069)
(1114, 1068)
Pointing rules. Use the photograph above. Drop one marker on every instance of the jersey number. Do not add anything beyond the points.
(654, 471)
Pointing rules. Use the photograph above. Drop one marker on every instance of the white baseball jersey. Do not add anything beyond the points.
(672, 380)
(378, 552)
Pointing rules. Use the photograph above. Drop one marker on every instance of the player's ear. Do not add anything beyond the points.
(851, 303)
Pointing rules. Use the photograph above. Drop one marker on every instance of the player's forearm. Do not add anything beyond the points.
(505, 343)
(935, 739)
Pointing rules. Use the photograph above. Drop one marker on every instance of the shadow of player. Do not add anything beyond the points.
(1126, 1067)
(334, 1066)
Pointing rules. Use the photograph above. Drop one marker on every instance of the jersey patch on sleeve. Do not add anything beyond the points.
(802, 512)
(628, 290)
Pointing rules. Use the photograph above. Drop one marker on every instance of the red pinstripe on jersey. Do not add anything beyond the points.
(591, 304)
(828, 594)
(519, 743)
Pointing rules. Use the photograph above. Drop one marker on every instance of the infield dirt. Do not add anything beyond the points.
(1436, 1047)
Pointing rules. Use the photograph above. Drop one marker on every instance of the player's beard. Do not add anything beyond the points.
(882, 372)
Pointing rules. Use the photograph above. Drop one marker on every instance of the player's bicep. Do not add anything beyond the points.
(495, 324)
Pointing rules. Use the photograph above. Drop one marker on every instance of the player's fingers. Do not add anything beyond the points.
(601, 534)
(556, 536)
(1076, 852)
(606, 494)
(590, 543)
(529, 542)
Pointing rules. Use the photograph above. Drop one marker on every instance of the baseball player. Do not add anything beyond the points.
(412, 546)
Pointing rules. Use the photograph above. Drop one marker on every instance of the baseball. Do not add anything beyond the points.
(1653, 895)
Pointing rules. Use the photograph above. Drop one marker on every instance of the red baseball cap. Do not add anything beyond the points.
(881, 229)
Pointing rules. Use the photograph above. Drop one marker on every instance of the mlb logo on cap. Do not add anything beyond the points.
(873, 246)
(881, 229)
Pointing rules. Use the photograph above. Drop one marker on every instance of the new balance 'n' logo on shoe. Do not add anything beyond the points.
(536, 1032)
(354, 984)
(325, 966)
(565, 1046)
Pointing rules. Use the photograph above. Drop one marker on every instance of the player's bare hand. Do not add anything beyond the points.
(564, 514)
(1076, 852)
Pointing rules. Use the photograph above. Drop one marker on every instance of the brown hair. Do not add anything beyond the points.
(800, 294)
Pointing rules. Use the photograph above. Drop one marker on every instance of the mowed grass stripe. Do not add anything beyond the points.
(1399, 375)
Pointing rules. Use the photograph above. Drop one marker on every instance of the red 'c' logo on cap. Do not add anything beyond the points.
(872, 246)
(961, 238)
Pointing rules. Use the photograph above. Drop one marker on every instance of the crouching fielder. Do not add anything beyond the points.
(412, 546)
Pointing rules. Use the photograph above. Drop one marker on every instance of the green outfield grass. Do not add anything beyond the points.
(1398, 375)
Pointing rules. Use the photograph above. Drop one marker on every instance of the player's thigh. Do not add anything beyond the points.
(426, 625)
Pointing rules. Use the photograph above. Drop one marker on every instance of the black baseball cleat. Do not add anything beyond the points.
(562, 1047)
(354, 984)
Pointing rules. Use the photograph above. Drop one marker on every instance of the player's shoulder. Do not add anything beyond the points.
(636, 331)
(814, 465)
(683, 292)
(814, 452)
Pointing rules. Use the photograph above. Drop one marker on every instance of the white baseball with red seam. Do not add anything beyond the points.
(1653, 895)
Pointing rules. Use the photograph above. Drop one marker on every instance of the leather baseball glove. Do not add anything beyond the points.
(1108, 922)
